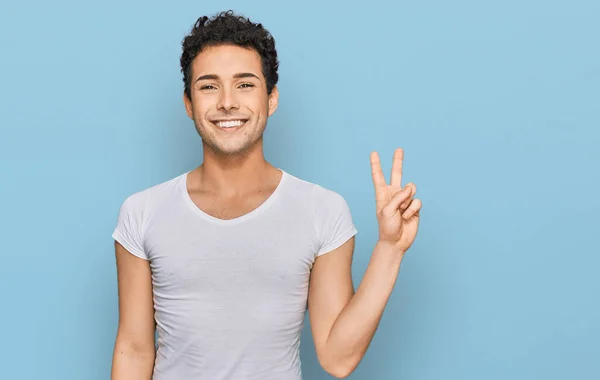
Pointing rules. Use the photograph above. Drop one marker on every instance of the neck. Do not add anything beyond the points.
(234, 174)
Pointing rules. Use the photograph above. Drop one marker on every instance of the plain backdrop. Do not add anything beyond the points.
(496, 104)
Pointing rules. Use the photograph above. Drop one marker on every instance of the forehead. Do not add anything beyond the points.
(227, 60)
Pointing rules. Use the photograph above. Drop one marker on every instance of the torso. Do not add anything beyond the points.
(230, 283)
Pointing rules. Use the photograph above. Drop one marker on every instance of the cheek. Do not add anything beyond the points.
(254, 99)
(201, 110)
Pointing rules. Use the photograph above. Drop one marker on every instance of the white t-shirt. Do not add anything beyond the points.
(230, 296)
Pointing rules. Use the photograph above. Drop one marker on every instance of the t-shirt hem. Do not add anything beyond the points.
(339, 241)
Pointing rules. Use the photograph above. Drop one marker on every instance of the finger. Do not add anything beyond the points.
(405, 204)
(396, 179)
(413, 209)
(394, 204)
(378, 178)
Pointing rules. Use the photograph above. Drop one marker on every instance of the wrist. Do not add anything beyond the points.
(390, 246)
(389, 250)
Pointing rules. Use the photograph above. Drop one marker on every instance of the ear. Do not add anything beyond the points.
(188, 106)
(273, 100)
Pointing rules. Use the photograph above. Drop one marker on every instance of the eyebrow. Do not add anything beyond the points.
(236, 76)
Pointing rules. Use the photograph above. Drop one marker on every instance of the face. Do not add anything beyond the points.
(229, 102)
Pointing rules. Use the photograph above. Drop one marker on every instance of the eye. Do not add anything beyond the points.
(246, 85)
(208, 87)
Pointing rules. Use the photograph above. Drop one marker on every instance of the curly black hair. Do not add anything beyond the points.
(229, 28)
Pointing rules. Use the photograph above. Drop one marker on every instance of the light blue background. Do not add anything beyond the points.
(497, 105)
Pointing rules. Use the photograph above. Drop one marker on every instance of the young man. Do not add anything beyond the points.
(223, 261)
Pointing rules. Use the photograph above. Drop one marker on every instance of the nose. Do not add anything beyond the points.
(227, 99)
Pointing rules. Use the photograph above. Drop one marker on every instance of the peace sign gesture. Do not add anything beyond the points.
(397, 211)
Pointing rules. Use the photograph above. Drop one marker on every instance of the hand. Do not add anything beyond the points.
(397, 211)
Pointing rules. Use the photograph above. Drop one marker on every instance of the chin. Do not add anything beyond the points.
(232, 149)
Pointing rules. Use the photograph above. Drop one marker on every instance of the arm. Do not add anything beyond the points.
(134, 352)
(343, 322)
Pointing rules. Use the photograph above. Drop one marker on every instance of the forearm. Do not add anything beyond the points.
(355, 327)
(131, 363)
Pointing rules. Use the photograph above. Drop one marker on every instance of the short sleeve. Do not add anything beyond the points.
(128, 230)
(333, 220)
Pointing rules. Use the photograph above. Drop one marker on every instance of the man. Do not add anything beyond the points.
(223, 261)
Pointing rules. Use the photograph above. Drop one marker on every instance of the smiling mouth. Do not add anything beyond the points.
(230, 124)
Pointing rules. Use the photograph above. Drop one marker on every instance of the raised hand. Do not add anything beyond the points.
(397, 211)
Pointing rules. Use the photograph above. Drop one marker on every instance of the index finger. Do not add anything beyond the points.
(378, 178)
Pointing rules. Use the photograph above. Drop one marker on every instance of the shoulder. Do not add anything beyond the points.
(143, 200)
(312, 191)
(135, 214)
(323, 202)
(329, 213)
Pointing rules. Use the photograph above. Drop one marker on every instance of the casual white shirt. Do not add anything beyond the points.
(230, 296)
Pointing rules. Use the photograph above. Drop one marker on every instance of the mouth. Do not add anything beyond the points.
(229, 125)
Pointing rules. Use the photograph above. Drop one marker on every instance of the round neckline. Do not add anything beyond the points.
(251, 214)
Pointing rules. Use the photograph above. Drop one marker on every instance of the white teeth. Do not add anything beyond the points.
(229, 123)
